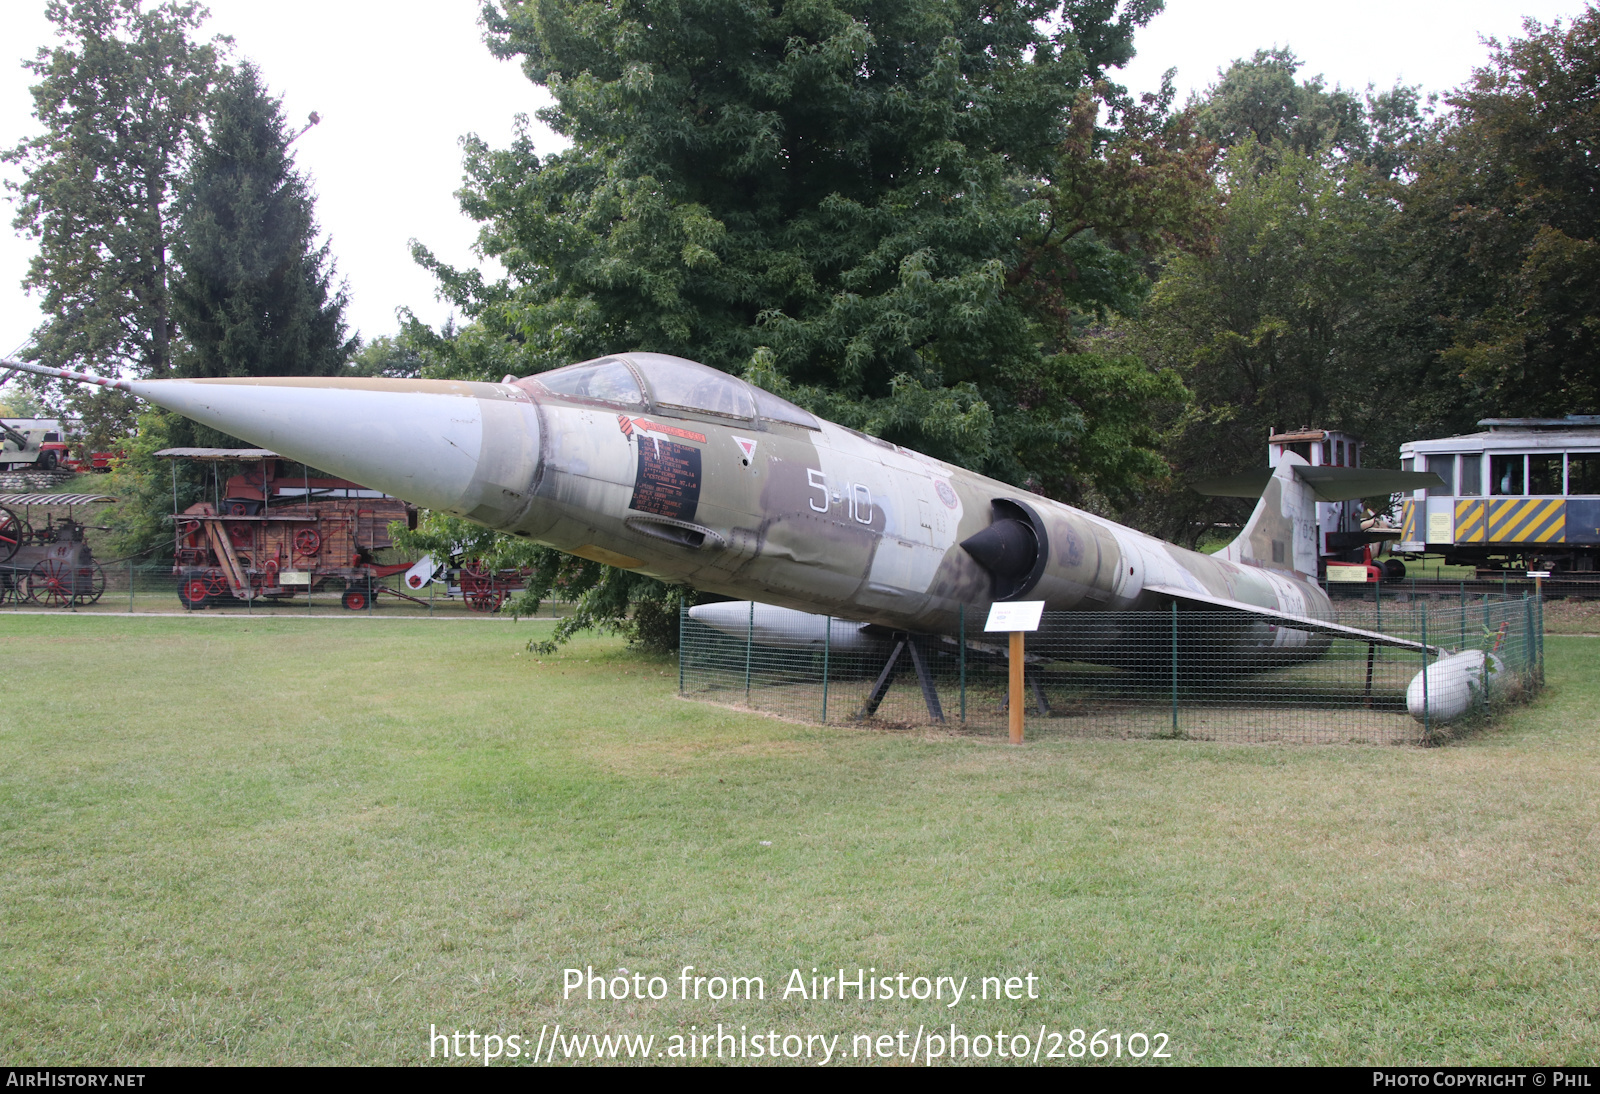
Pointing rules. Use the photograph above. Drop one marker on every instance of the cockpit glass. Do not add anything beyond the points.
(775, 409)
(686, 385)
(607, 380)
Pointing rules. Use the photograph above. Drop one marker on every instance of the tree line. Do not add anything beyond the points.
(941, 223)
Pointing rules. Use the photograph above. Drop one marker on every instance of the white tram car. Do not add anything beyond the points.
(1524, 493)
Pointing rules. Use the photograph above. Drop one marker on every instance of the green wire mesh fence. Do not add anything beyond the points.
(1212, 675)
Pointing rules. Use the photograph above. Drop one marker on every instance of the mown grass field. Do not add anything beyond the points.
(308, 841)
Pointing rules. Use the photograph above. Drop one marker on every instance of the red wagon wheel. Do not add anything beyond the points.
(12, 531)
(50, 583)
(484, 599)
(307, 541)
(215, 585)
(192, 592)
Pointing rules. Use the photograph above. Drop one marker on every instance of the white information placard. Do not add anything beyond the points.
(1016, 615)
(1538, 573)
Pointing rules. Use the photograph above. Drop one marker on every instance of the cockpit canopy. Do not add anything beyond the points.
(659, 380)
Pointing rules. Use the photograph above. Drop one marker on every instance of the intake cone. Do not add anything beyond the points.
(1009, 550)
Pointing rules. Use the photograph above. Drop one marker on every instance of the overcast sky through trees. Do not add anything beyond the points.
(398, 83)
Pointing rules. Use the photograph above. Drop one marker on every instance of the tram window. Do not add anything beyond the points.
(1338, 453)
(1544, 473)
(1583, 473)
(1505, 474)
(1408, 464)
(1445, 468)
(1301, 449)
(1471, 475)
(607, 380)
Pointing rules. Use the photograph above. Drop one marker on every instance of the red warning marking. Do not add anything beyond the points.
(645, 425)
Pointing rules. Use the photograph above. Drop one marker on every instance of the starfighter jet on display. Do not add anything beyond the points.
(673, 469)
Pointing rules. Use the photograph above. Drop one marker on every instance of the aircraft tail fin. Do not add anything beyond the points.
(1282, 532)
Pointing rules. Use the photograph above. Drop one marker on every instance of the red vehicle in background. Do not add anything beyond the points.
(97, 461)
(270, 534)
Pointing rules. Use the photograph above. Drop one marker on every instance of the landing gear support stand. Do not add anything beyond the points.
(930, 695)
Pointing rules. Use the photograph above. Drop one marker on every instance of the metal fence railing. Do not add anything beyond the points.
(1202, 674)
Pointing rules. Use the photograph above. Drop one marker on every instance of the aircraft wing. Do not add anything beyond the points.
(1299, 622)
(1327, 483)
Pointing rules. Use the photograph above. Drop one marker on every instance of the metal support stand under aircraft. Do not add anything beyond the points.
(1041, 705)
(930, 696)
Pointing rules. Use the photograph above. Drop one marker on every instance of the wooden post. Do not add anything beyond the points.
(1015, 710)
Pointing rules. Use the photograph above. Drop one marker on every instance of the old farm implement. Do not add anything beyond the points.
(50, 566)
(272, 535)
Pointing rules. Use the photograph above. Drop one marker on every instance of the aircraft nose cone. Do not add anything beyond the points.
(471, 449)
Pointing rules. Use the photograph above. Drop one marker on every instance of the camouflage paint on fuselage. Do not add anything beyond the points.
(829, 521)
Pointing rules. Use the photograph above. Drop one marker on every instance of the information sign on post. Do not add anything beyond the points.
(1017, 617)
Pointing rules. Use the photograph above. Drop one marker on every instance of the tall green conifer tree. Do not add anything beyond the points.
(255, 295)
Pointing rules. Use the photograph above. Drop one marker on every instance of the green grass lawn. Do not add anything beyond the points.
(308, 841)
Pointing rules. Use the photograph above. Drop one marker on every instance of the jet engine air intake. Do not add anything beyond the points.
(1014, 548)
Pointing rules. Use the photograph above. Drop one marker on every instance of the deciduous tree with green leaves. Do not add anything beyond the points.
(904, 214)
(1299, 315)
(1501, 223)
(122, 101)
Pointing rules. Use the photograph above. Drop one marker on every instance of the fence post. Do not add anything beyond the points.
(827, 649)
(962, 630)
(683, 620)
(1527, 631)
(130, 586)
(1427, 714)
(1174, 668)
(749, 642)
(1540, 634)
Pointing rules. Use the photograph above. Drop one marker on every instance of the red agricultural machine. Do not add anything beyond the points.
(272, 535)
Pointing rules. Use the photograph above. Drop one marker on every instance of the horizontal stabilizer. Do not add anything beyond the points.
(1327, 483)
(1299, 622)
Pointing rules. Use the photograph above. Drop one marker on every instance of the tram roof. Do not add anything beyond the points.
(1511, 440)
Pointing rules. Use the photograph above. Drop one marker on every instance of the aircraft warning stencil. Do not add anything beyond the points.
(668, 481)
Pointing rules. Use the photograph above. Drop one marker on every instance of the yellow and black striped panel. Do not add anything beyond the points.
(1470, 524)
(1528, 520)
(1408, 520)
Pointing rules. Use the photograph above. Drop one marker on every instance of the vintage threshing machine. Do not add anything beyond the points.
(270, 534)
(50, 566)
